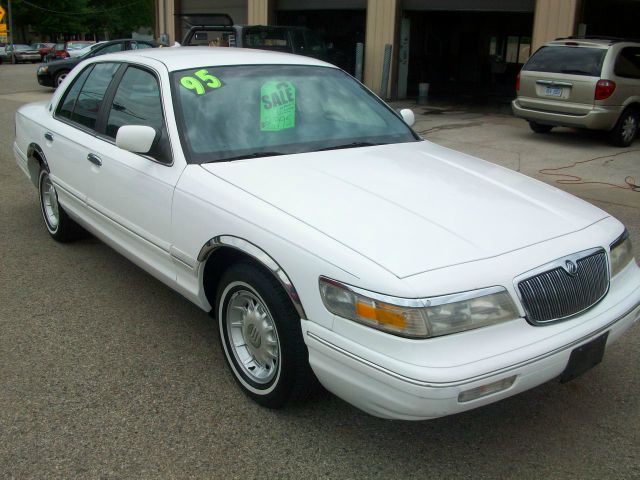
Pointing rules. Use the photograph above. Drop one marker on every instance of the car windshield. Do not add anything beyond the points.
(59, 46)
(245, 111)
(567, 59)
(21, 47)
(77, 46)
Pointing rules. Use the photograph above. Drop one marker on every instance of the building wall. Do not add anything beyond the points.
(553, 19)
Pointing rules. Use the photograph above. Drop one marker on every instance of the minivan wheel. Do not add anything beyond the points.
(540, 128)
(626, 129)
(261, 336)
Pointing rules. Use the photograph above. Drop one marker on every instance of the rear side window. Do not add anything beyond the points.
(90, 99)
(116, 47)
(65, 108)
(628, 63)
(137, 102)
(267, 39)
(569, 60)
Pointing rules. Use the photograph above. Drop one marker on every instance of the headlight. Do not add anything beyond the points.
(43, 69)
(419, 318)
(621, 253)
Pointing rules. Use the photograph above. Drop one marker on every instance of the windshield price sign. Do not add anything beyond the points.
(277, 106)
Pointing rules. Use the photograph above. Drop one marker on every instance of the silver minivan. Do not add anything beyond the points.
(583, 83)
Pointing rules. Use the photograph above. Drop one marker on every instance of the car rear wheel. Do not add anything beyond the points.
(261, 337)
(59, 225)
(626, 128)
(59, 78)
(540, 128)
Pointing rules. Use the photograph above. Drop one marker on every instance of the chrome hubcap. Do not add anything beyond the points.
(61, 78)
(252, 336)
(629, 128)
(50, 202)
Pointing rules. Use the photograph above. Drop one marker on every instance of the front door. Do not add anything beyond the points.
(132, 193)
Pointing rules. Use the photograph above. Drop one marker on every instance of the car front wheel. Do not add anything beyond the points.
(626, 128)
(261, 337)
(59, 225)
(59, 78)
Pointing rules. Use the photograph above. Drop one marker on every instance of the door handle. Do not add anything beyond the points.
(94, 159)
(48, 136)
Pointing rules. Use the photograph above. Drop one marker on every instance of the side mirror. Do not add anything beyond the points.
(136, 138)
(408, 116)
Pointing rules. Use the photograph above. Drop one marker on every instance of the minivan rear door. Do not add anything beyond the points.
(561, 78)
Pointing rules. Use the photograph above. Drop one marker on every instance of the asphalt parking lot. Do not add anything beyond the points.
(105, 372)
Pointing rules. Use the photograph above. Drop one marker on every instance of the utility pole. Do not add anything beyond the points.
(13, 55)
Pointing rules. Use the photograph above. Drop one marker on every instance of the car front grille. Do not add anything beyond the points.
(556, 294)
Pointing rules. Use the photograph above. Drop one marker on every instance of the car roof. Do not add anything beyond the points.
(182, 58)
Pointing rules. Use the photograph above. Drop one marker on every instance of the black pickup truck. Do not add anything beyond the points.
(298, 40)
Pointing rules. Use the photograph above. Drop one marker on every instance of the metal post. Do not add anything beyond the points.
(359, 60)
(386, 66)
(13, 55)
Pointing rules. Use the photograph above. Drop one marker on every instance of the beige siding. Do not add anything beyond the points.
(381, 29)
(553, 19)
(258, 12)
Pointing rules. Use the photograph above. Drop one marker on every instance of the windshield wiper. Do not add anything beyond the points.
(248, 155)
(350, 145)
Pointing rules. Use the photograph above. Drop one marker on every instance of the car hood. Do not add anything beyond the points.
(411, 207)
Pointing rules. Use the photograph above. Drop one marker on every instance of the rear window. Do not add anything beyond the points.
(565, 59)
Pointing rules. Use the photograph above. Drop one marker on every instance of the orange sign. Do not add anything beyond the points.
(3, 28)
(2, 12)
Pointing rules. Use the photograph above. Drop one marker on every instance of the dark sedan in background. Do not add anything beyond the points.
(53, 73)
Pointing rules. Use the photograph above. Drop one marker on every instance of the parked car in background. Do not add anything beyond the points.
(585, 83)
(53, 74)
(22, 53)
(77, 48)
(325, 236)
(43, 48)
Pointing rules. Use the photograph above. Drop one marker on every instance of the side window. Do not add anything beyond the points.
(89, 101)
(116, 47)
(628, 63)
(139, 45)
(136, 102)
(65, 107)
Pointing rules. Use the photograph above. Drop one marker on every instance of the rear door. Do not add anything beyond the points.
(68, 144)
(561, 78)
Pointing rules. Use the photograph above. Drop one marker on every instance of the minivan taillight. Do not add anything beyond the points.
(518, 82)
(604, 89)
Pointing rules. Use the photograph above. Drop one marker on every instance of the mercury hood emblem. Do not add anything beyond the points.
(571, 268)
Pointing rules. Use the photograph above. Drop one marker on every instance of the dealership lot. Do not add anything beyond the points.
(106, 372)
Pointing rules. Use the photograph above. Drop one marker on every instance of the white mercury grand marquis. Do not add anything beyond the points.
(328, 240)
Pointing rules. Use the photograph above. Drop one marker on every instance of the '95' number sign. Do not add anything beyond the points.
(200, 82)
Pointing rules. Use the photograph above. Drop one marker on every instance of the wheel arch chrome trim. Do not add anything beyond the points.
(32, 163)
(261, 257)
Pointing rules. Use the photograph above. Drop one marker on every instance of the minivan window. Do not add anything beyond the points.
(568, 60)
(89, 101)
(628, 63)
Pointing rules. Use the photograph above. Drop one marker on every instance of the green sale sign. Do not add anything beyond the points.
(277, 106)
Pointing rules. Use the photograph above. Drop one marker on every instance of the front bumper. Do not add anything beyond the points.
(389, 388)
(46, 80)
(597, 118)
(35, 57)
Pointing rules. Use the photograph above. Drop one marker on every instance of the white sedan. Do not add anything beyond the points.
(328, 240)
